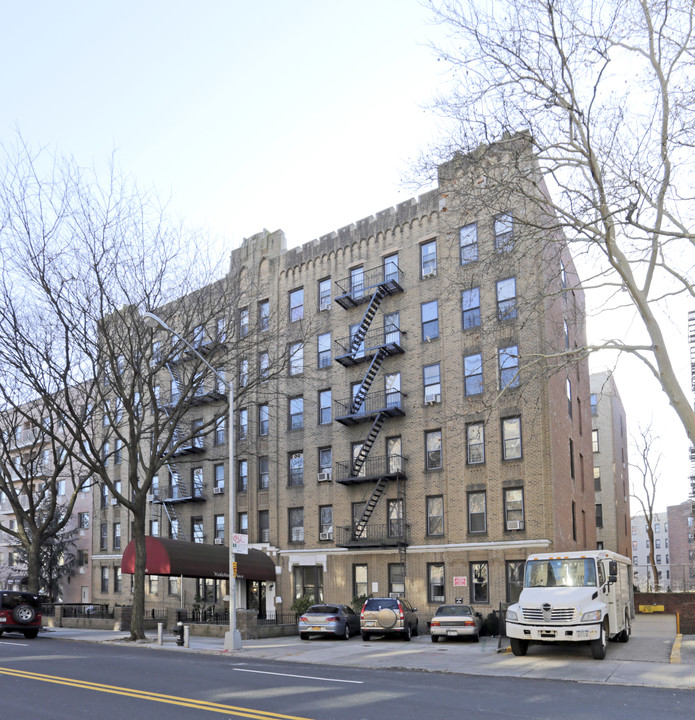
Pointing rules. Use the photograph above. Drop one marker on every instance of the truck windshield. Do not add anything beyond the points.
(574, 572)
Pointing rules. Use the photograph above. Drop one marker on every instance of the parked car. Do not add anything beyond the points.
(455, 621)
(338, 620)
(388, 616)
(20, 612)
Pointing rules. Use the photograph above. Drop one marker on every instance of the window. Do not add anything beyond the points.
(360, 587)
(117, 455)
(357, 282)
(396, 579)
(296, 305)
(325, 459)
(508, 360)
(243, 523)
(594, 404)
(220, 433)
(568, 387)
(296, 358)
(428, 259)
(197, 482)
(296, 407)
(198, 439)
(429, 313)
(515, 579)
(479, 582)
(104, 579)
(242, 483)
(220, 382)
(473, 374)
(243, 373)
(221, 330)
(326, 522)
(392, 328)
(392, 390)
(104, 537)
(594, 440)
(263, 366)
(433, 450)
(470, 308)
(263, 473)
(506, 299)
(468, 243)
(503, 227)
(243, 322)
(435, 582)
(152, 584)
(475, 443)
(571, 451)
(263, 419)
(477, 514)
(243, 423)
(324, 350)
(657, 543)
(83, 520)
(658, 559)
(356, 345)
(263, 315)
(597, 482)
(391, 268)
(511, 438)
(219, 527)
(431, 380)
(325, 407)
(657, 528)
(394, 511)
(219, 476)
(599, 515)
(117, 536)
(566, 333)
(514, 509)
(82, 558)
(154, 527)
(263, 526)
(199, 336)
(296, 468)
(296, 524)
(325, 294)
(197, 534)
(435, 515)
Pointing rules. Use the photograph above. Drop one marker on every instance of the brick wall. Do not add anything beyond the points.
(681, 603)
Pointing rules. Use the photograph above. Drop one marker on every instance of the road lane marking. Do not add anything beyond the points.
(151, 696)
(303, 677)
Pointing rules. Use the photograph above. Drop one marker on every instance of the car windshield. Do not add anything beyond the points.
(454, 610)
(323, 610)
(561, 572)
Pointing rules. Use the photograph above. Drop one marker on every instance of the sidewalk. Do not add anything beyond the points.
(654, 657)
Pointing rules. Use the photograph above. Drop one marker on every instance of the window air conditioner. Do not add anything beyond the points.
(326, 536)
(114, 501)
(219, 541)
(515, 525)
(430, 274)
(218, 491)
(324, 477)
(433, 400)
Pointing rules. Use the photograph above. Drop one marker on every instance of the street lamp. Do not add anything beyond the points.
(232, 638)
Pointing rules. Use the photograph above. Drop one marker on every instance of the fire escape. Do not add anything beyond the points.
(177, 490)
(369, 346)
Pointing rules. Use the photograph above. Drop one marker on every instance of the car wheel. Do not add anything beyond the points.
(31, 634)
(346, 633)
(416, 631)
(625, 634)
(408, 633)
(435, 638)
(476, 637)
(598, 646)
(304, 636)
(23, 614)
(365, 637)
(519, 647)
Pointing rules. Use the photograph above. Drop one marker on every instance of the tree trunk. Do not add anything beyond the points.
(137, 631)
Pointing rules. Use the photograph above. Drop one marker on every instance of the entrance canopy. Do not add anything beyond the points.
(197, 560)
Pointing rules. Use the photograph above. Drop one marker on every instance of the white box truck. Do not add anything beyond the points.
(582, 597)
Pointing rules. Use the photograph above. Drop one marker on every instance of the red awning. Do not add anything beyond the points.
(198, 560)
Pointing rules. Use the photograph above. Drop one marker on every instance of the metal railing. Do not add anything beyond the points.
(278, 618)
(88, 610)
(204, 616)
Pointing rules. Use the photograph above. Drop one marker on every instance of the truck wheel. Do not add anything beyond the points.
(625, 634)
(519, 647)
(598, 646)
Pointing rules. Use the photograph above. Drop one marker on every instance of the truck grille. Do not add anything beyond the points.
(558, 615)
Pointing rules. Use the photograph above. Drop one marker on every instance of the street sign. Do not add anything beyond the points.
(240, 543)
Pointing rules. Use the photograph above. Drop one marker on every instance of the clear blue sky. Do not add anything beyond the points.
(301, 115)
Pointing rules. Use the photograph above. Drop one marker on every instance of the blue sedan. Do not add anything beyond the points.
(340, 621)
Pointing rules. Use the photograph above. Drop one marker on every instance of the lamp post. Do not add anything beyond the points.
(232, 638)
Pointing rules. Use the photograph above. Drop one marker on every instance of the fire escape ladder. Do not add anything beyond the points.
(358, 462)
(361, 524)
(174, 524)
(368, 317)
(374, 368)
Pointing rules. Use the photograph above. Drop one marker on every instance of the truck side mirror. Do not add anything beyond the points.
(612, 571)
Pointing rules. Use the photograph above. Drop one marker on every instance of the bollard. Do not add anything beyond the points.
(186, 636)
(160, 633)
(179, 633)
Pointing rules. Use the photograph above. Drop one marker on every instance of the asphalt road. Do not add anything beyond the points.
(62, 680)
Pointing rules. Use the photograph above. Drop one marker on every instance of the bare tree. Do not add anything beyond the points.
(647, 469)
(603, 95)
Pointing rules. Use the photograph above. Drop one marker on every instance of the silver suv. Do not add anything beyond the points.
(388, 616)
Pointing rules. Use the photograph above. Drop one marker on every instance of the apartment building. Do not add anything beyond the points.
(611, 468)
(643, 573)
(410, 416)
(681, 547)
